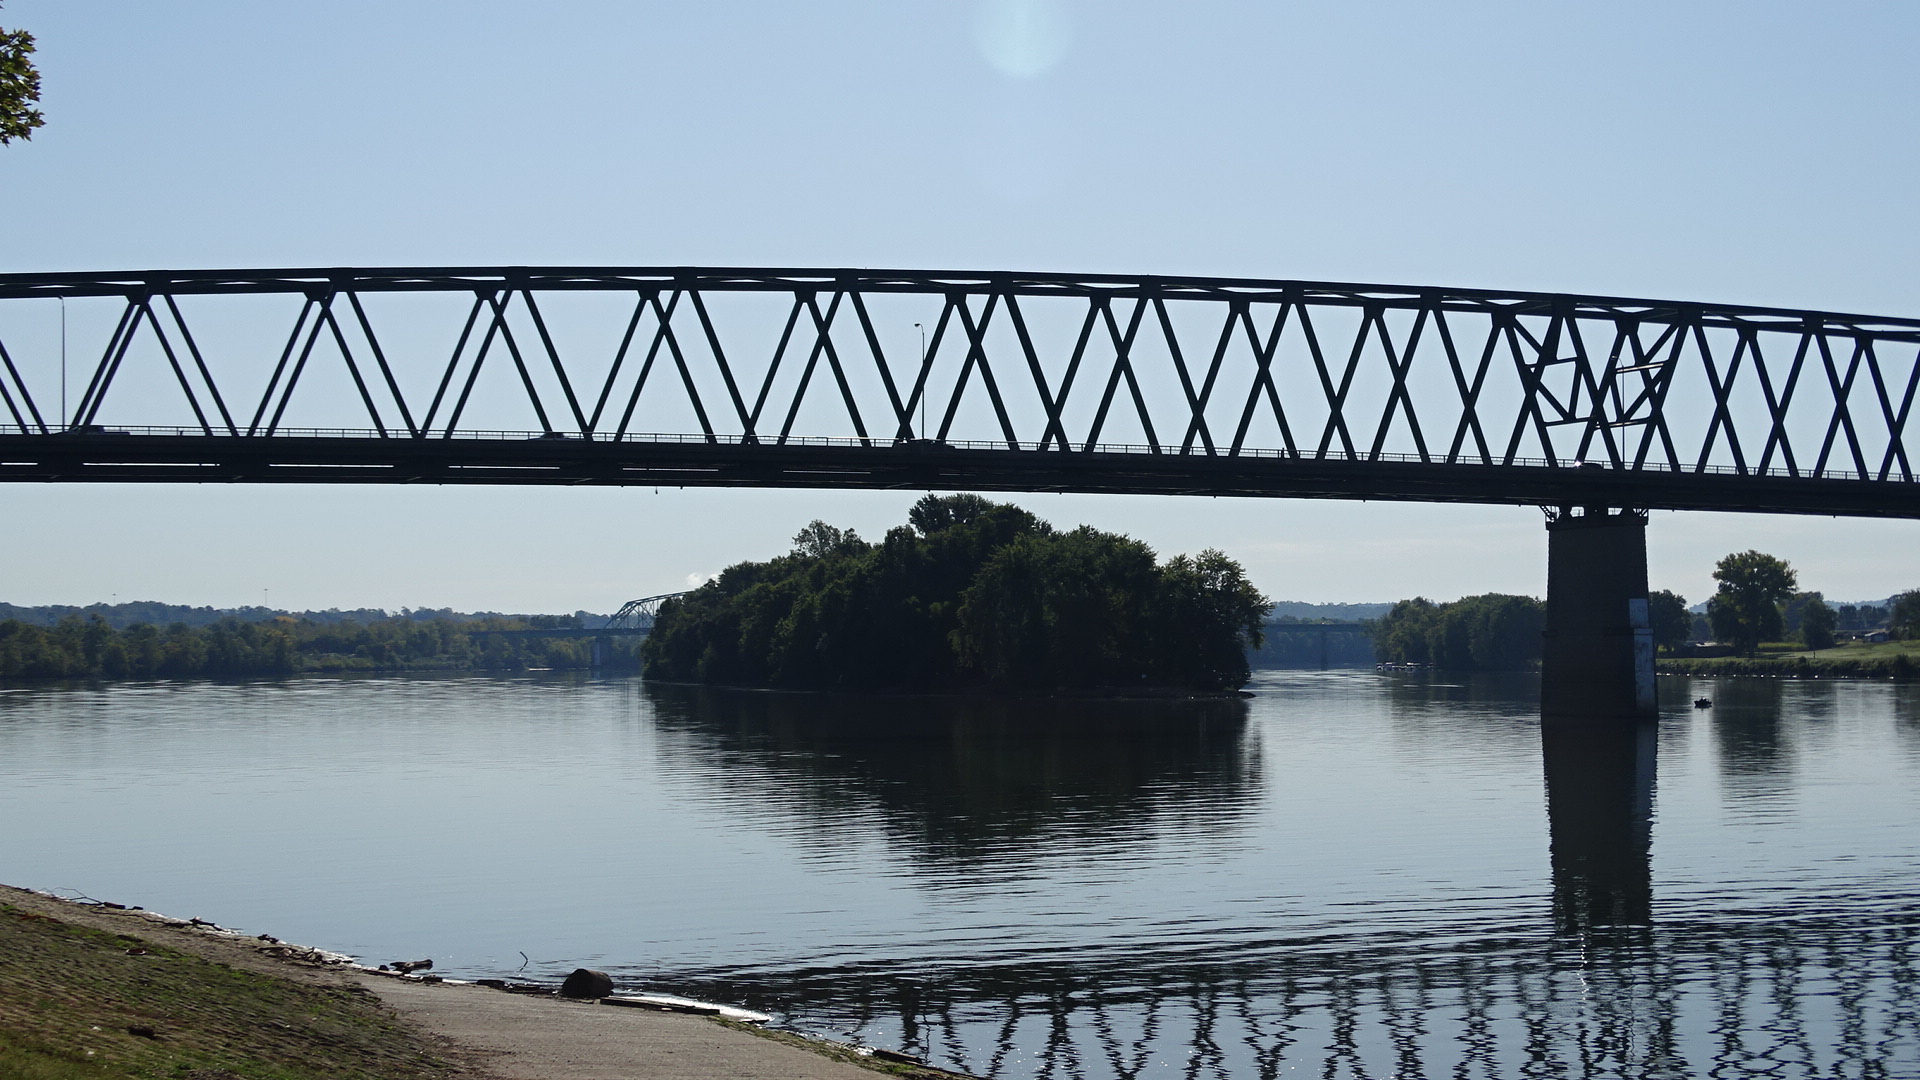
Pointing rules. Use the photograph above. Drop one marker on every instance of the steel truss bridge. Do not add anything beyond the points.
(943, 380)
(634, 619)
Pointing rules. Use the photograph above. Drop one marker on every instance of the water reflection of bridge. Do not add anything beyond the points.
(1600, 989)
(1744, 996)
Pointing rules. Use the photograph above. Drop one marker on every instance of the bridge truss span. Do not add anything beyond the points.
(929, 379)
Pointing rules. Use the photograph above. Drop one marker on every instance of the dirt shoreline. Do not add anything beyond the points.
(488, 1034)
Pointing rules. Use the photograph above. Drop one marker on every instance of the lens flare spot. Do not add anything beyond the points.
(1023, 39)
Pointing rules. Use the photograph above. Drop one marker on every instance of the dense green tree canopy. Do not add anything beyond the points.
(1862, 616)
(19, 87)
(1671, 622)
(1904, 618)
(231, 648)
(1493, 632)
(1747, 608)
(970, 592)
(1816, 621)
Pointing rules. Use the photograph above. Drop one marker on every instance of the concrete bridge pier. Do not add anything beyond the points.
(1597, 657)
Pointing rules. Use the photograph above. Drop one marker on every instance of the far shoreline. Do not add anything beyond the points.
(1897, 668)
(954, 693)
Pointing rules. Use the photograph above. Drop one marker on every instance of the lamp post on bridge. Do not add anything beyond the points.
(920, 378)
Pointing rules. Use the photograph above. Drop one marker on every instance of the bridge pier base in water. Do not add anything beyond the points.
(1597, 657)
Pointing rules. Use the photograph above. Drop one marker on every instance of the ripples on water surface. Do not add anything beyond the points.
(1347, 875)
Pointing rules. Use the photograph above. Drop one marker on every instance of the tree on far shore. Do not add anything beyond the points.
(1746, 609)
(1817, 622)
(1493, 632)
(1672, 623)
(1904, 618)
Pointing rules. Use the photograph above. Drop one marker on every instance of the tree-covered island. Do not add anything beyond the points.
(1491, 632)
(969, 594)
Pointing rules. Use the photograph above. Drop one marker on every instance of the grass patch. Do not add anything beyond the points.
(82, 1003)
(1862, 650)
(1896, 660)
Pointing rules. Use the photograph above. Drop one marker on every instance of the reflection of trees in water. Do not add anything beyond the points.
(1906, 716)
(1494, 693)
(1430, 709)
(1753, 750)
(953, 778)
(1835, 995)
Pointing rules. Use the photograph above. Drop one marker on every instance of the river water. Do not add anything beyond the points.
(1349, 874)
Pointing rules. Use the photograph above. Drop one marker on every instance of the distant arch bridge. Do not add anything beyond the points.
(918, 379)
(634, 619)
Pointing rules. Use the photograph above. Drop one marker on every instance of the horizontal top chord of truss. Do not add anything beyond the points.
(1203, 385)
(319, 280)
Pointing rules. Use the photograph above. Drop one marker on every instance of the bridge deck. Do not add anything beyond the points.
(691, 461)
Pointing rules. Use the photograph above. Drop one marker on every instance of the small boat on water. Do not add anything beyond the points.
(1702, 703)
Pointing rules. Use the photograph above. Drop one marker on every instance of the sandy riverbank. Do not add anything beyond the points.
(90, 953)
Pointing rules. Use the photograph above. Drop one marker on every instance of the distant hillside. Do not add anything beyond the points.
(1305, 612)
(154, 613)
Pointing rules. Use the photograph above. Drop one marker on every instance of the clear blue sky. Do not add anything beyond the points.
(1741, 152)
